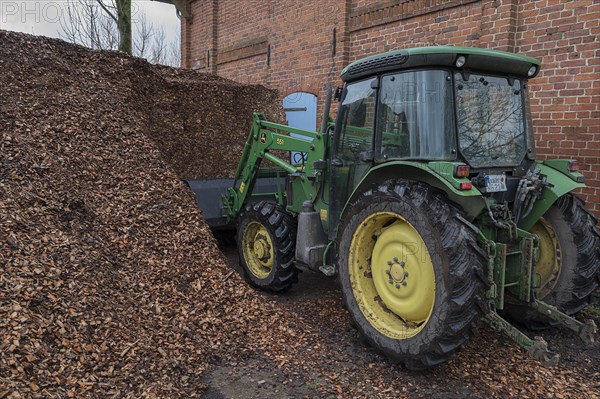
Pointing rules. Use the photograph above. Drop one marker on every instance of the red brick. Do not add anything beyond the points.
(565, 97)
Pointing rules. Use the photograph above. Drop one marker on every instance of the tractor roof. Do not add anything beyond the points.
(476, 59)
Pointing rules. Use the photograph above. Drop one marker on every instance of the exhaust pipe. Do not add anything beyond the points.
(325, 121)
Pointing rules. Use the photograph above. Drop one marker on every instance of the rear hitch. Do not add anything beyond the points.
(586, 330)
(537, 347)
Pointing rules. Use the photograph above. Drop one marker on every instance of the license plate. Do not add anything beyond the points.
(495, 183)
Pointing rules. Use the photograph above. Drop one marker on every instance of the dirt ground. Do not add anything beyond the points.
(316, 298)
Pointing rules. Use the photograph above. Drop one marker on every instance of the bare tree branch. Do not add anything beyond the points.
(106, 10)
(86, 22)
(144, 36)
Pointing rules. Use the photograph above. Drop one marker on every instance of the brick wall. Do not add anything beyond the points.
(298, 45)
(198, 39)
(564, 35)
(288, 45)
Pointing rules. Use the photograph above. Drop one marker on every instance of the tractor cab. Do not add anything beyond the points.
(442, 107)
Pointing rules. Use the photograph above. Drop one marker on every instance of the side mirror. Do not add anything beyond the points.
(338, 94)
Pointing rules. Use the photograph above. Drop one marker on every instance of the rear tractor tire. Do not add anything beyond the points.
(568, 261)
(266, 242)
(411, 273)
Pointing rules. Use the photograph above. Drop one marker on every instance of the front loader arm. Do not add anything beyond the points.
(262, 140)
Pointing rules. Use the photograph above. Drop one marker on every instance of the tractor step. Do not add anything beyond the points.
(328, 270)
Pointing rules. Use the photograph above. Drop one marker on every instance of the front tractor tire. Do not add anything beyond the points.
(411, 273)
(568, 261)
(266, 240)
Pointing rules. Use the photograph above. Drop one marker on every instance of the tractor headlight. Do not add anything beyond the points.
(532, 71)
(460, 61)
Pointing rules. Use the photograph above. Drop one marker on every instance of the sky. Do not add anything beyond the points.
(42, 17)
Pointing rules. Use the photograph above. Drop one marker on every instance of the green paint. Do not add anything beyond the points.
(561, 185)
(471, 50)
(434, 173)
(562, 165)
(432, 50)
(446, 171)
(264, 138)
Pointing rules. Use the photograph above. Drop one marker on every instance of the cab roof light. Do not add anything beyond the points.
(532, 71)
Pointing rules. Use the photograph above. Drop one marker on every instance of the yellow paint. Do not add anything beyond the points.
(280, 141)
(392, 275)
(323, 214)
(242, 187)
(258, 250)
(548, 262)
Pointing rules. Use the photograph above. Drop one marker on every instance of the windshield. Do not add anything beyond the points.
(415, 116)
(491, 128)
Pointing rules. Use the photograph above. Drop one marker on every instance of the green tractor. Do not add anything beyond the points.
(426, 200)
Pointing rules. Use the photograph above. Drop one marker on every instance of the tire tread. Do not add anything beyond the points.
(282, 227)
(458, 239)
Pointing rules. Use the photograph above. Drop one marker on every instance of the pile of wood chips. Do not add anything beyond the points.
(110, 282)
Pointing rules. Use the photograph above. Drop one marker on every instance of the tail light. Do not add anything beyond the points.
(466, 186)
(574, 166)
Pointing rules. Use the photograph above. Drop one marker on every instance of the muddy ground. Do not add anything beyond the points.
(316, 297)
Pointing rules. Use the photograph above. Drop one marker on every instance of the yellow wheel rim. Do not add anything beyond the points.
(392, 275)
(548, 263)
(258, 250)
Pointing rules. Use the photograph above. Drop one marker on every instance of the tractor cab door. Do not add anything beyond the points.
(353, 145)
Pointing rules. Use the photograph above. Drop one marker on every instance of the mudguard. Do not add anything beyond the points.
(560, 184)
(470, 200)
